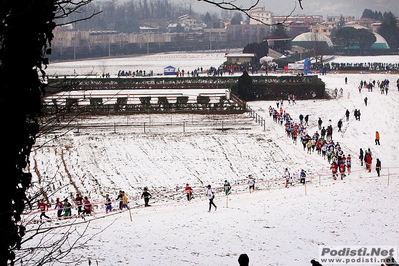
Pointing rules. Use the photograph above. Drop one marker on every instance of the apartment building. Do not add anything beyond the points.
(260, 16)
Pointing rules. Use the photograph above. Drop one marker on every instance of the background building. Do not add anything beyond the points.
(322, 29)
(259, 15)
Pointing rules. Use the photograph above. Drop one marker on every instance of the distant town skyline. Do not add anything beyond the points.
(310, 7)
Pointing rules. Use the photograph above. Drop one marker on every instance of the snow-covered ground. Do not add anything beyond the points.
(182, 61)
(152, 62)
(274, 225)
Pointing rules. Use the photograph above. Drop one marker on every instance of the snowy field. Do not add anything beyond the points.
(182, 60)
(274, 225)
(153, 62)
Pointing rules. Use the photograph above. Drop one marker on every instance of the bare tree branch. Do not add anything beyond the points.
(231, 6)
(50, 249)
(67, 7)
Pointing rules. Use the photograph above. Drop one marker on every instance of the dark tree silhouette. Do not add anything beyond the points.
(365, 39)
(236, 19)
(279, 31)
(389, 30)
(207, 19)
(25, 42)
(244, 87)
(367, 13)
(260, 49)
(341, 23)
(345, 37)
(349, 36)
(26, 32)
(281, 38)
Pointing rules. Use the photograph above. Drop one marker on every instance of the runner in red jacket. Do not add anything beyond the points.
(86, 206)
(334, 169)
(43, 207)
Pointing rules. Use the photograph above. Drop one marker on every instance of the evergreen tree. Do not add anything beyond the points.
(365, 39)
(260, 49)
(349, 36)
(217, 24)
(207, 19)
(345, 37)
(333, 33)
(245, 88)
(236, 19)
(341, 23)
(389, 30)
(369, 14)
(279, 31)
